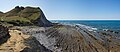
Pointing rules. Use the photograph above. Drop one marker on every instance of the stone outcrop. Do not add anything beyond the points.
(19, 42)
(4, 34)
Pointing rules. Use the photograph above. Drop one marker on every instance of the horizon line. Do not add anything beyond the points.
(83, 19)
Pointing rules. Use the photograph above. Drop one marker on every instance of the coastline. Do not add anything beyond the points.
(99, 24)
(26, 29)
(64, 38)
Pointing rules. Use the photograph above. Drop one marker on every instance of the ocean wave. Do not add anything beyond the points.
(89, 28)
(86, 27)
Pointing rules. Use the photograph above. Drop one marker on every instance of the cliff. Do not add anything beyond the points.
(24, 16)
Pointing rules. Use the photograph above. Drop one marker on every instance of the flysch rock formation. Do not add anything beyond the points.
(64, 38)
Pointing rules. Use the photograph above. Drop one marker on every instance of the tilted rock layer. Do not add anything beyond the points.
(65, 38)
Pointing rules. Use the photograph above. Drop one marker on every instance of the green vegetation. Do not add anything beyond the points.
(24, 16)
(34, 16)
(21, 15)
(14, 18)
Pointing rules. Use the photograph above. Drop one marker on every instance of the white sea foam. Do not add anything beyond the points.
(86, 27)
(81, 25)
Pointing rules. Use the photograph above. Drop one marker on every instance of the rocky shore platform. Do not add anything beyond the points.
(13, 40)
(65, 38)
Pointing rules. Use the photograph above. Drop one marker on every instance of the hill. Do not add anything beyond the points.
(23, 16)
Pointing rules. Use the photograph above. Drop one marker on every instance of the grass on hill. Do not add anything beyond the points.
(21, 16)
(15, 20)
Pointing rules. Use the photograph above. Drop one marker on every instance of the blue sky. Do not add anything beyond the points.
(70, 9)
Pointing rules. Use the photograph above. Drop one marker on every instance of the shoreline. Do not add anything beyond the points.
(100, 25)
(49, 36)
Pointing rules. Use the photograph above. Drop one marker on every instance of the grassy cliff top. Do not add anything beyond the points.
(22, 15)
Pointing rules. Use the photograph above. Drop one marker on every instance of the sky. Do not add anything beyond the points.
(70, 9)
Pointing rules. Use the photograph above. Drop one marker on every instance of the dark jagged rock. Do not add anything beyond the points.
(1, 14)
(4, 34)
(35, 46)
(24, 16)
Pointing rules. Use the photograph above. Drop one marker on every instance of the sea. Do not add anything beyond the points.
(98, 24)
